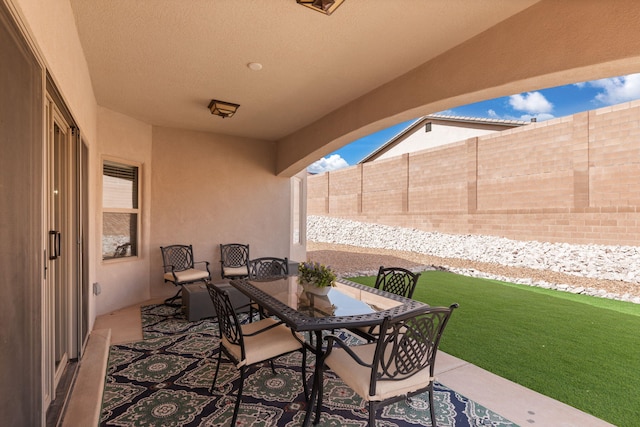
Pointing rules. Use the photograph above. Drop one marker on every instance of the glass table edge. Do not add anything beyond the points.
(301, 322)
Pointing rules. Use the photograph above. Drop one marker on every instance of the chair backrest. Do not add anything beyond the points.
(408, 344)
(234, 255)
(396, 280)
(228, 323)
(122, 250)
(268, 268)
(177, 257)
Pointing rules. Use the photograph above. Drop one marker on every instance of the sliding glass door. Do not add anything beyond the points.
(60, 261)
(66, 291)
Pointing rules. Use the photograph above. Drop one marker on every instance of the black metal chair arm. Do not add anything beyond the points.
(206, 264)
(297, 337)
(331, 339)
(169, 268)
(259, 331)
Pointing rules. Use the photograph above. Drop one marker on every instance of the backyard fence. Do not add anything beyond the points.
(574, 179)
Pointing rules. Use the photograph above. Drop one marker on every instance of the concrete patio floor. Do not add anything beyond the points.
(514, 402)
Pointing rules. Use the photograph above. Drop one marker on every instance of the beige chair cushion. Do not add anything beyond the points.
(357, 376)
(189, 275)
(265, 345)
(236, 271)
(367, 330)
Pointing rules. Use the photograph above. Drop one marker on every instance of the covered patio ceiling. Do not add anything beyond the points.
(326, 80)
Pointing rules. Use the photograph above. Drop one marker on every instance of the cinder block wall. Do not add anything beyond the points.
(574, 179)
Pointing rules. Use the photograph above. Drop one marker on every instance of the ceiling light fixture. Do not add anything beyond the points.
(222, 108)
(325, 6)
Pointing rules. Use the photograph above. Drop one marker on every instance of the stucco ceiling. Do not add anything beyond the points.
(162, 61)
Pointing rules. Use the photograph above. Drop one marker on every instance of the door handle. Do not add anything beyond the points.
(58, 240)
(54, 244)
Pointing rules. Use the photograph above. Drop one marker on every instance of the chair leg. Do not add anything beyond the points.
(320, 387)
(431, 407)
(215, 376)
(304, 374)
(259, 310)
(250, 312)
(171, 301)
(236, 409)
(273, 367)
(372, 414)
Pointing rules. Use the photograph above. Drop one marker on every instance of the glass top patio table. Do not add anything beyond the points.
(347, 305)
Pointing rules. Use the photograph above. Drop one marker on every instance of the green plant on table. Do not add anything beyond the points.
(316, 273)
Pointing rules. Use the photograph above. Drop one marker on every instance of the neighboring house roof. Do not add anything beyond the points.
(476, 122)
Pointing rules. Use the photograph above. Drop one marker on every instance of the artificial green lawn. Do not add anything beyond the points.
(580, 350)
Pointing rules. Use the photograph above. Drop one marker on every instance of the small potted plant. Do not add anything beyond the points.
(315, 277)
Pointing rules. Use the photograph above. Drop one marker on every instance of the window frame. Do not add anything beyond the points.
(136, 211)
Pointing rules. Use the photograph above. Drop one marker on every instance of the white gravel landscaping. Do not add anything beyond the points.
(618, 263)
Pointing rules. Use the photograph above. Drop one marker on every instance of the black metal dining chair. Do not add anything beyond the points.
(400, 364)
(252, 343)
(266, 268)
(180, 268)
(233, 260)
(397, 280)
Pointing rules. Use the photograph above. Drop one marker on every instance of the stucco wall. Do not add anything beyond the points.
(210, 189)
(52, 24)
(580, 41)
(574, 179)
(197, 188)
(124, 281)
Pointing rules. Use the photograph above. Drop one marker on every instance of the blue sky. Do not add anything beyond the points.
(543, 104)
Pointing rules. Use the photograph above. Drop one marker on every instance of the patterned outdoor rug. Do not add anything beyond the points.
(160, 320)
(164, 380)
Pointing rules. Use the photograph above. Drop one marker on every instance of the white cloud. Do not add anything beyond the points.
(531, 102)
(617, 89)
(327, 164)
(493, 114)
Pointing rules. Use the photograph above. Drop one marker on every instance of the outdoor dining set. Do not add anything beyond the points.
(398, 336)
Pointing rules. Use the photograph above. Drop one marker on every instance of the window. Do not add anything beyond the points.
(120, 210)
(427, 127)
